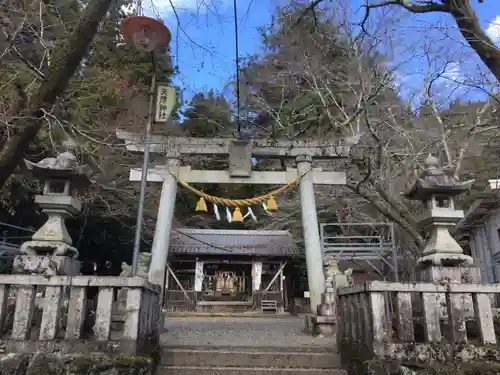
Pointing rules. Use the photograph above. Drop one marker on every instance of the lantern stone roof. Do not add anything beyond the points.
(64, 166)
(260, 243)
(434, 181)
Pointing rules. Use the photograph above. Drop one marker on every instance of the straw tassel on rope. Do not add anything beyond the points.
(237, 215)
(201, 206)
(271, 204)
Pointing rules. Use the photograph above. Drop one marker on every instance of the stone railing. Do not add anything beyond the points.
(417, 323)
(56, 314)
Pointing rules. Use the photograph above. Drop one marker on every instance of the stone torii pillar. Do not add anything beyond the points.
(161, 240)
(312, 241)
(240, 153)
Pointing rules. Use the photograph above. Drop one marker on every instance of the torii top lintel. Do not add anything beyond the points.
(281, 149)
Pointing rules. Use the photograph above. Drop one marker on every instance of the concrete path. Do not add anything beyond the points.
(243, 332)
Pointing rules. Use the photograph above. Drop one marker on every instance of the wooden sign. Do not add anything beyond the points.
(165, 102)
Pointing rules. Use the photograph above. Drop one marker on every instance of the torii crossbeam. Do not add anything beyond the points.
(240, 153)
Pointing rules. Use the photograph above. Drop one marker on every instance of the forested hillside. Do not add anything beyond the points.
(314, 77)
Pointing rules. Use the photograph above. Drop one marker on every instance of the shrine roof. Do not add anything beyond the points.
(481, 209)
(232, 242)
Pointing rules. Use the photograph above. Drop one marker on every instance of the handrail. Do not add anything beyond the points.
(80, 281)
(403, 322)
(354, 237)
(385, 286)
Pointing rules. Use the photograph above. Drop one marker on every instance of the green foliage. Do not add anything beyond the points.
(100, 98)
(305, 76)
(208, 116)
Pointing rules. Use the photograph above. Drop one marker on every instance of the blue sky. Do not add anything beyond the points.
(203, 40)
(204, 44)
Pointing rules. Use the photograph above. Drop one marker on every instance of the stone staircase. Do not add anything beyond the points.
(219, 360)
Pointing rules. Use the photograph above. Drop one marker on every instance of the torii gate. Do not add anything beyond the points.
(240, 153)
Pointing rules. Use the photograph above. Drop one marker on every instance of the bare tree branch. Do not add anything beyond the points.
(66, 59)
(465, 18)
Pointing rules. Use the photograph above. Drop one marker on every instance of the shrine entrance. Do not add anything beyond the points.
(240, 153)
(211, 270)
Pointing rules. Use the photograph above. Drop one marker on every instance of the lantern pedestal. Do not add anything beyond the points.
(50, 251)
(53, 237)
(441, 248)
(460, 274)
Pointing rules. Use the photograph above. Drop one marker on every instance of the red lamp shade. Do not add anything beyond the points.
(146, 33)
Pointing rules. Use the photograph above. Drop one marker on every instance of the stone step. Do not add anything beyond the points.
(194, 370)
(262, 348)
(244, 358)
(226, 314)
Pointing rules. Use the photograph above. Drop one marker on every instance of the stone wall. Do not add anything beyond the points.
(459, 368)
(44, 364)
(451, 330)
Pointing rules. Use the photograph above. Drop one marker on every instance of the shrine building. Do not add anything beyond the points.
(211, 270)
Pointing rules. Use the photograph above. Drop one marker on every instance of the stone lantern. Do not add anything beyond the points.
(437, 190)
(50, 250)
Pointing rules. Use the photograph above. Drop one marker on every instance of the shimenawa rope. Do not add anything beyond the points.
(241, 202)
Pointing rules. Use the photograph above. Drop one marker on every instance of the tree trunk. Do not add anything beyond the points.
(66, 59)
(469, 26)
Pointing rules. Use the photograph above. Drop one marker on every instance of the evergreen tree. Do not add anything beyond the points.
(307, 77)
(208, 116)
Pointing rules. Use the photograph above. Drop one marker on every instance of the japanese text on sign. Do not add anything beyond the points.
(165, 102)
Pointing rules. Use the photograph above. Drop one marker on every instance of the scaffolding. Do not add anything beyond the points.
(369, 245)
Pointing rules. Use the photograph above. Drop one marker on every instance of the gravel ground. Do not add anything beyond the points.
(271, 332)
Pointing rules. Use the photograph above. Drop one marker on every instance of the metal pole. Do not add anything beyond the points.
(144, 175)
(394, 254)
